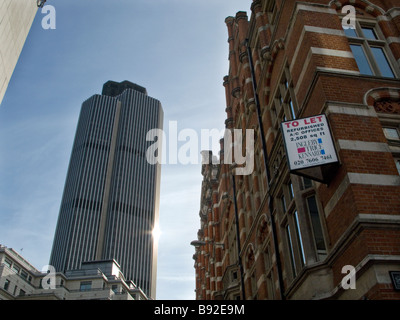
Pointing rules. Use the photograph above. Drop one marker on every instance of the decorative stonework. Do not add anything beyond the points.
(366, 5)
(250, 257)
(262, 232)
(387, 106)
(384, 100)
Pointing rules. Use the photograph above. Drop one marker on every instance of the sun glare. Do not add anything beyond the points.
(156, 232)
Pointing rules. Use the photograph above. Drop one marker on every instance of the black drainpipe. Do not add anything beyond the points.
(265, 154)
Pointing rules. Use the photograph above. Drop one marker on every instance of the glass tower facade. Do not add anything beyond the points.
(111, 195)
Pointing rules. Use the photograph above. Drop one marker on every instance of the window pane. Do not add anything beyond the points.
(274, 112)
(316, 223)
(361, 59)
(86, 286)
(289, 238)
(369, 33)
(7, 262)
(300, 239)
(382, 62)
(6, 284)
(291, 192)
(283, 203)
(350, 32)
(307, 183)
(391, 133)
(24, 274)
(292, 112)
(280, 99)
(398, 165)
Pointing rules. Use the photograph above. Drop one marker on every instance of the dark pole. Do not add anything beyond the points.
(265, 154)
(238, 238)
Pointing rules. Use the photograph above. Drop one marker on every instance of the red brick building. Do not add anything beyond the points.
(275, 234)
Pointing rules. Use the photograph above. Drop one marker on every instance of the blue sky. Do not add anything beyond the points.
(176, 49)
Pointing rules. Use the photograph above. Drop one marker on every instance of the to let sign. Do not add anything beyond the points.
(308, 142)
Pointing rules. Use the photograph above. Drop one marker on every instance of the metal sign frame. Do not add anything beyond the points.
(316, 129)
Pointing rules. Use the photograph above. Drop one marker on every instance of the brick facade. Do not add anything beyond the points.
(295, 234)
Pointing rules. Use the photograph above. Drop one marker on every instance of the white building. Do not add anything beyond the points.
(16, 19)
(96, 280)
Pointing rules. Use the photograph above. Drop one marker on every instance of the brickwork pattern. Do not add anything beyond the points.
(303, 43)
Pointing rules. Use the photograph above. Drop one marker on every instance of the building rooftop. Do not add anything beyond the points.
(112, 88)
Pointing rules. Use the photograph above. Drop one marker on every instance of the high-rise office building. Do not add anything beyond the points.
(16, 18)
(111, 195)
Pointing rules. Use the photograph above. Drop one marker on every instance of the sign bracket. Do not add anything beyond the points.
(323, 174)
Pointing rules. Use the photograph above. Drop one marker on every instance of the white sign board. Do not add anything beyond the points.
(308, 142)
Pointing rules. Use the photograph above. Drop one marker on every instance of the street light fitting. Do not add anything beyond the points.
(198, 243)
(40, 3)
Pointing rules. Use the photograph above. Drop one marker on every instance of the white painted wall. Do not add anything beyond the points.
(16, 17)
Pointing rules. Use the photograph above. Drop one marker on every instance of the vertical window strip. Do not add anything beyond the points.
(291, 251)
(136, 208)
(131, 163)
(140, 198)
(316, 223)
(127, 154)
(299, 237)
(90, 211)
(84, 210)
(100, 126)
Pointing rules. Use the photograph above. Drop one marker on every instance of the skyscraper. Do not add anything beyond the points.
(111, 195)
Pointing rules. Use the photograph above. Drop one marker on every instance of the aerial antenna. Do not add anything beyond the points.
(40, 3)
